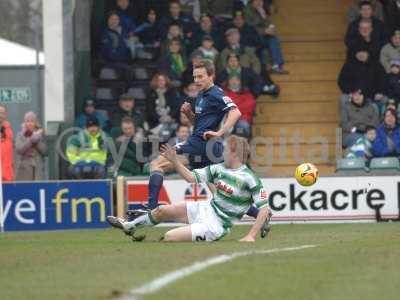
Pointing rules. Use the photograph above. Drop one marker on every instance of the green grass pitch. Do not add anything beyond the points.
(352, 261)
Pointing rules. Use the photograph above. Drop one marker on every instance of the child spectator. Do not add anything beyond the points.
(387, 142)
(163, 101)
(207, 49)
(182, 134)
(363, 145)
(30, 148)
(126, 141)
(6, 146)
(245, 102)
(394, 80)
(126, 108)
(391, 51)
(173, 62)
(258, 17)
(89, 110)
(87, 152)
(356, 115)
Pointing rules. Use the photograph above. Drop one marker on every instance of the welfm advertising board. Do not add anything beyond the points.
(56, 205)
(330, 199)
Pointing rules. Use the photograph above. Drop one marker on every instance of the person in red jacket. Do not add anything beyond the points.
(246, 103)
(6, 146)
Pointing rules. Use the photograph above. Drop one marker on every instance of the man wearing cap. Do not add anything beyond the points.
(126, 108)
(89, 110)
(391, 51)
(87, 152)
(247, 55)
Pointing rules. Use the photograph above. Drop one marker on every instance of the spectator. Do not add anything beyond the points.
(247, 55)
(187, 75)
(207, 49)
(256, 16)
(175, 32)
(366, 14)
(173, 62)
(127, 22)
(149, 32)
(190, 92)
(392, 14)
(394, 80)
(249, 79)
(126, 108)
(89, 110)
(30, 148)
(356, 115)
(391, 51)
(87, 152)
(207, 28)
(126, 143)
(182, 134)
(245, 102)
(363, 146)
(191, 8)
(163, 101)
(354, 10)
(184, 120)
(221, 9)
(6, 146)
(175, 15)
(387, 142)
(249, 36)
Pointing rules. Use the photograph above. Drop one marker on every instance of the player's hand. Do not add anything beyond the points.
(168, 152)
(186, 108)
(247, 239)
(211, 134)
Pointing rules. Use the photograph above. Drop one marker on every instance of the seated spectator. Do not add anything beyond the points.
(249, 79)
(126, 141)
(394, 80)
(257, 16)
(89, 110)
(207, 28)
(149, 31)
(245, 102)
(6, 146)
(175, 33)
(391, 51)
(207, 49)
(247, 56)
(175, 15)
(363, 146)
(126, 108)
(392, 14)
(191, 8)
(248, 34)
(354, 10)
(127, 22)
(182, 134)
(163, 101)
(221, 9)
(173, 62)
(356, 115)
(87, 152)
(30, 148)
(366, 14)
(387, 142)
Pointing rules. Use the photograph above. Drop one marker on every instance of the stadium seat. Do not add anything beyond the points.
(141, 73)
(385, 163)
(108, 74)
(105, 93)
(353, 165)
(137, 93)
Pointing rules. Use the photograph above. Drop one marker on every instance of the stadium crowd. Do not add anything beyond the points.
(370, 80)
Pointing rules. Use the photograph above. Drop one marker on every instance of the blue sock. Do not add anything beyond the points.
(155, 184)
(252, 212)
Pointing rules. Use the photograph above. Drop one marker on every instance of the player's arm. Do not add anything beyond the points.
(186, 108)
(232, 117)
(170, 153)
(255, 229)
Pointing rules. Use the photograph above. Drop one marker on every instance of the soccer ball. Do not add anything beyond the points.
(306, 174)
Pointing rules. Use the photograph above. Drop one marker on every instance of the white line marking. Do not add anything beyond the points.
(166, 279)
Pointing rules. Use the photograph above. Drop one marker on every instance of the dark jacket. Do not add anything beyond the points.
(127, 22)
(187, 23)
(249, 79)
(249, 36)
(358, 116)
(172, 101)
(380, 145)
(113, 47)
(394, 86)
(219, 42)
(119, 114)
(358, 43)
(149, 33)
(378, 32)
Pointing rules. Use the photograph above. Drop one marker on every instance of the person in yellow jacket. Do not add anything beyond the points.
(87, 152)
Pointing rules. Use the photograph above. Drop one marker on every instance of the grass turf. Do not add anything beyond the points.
(352, 261)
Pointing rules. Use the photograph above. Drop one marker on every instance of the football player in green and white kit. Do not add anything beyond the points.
(237, 188)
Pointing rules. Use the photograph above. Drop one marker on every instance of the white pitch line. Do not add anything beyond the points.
(166, 279)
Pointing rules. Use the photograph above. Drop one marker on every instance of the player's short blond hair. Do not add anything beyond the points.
(239, 146)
